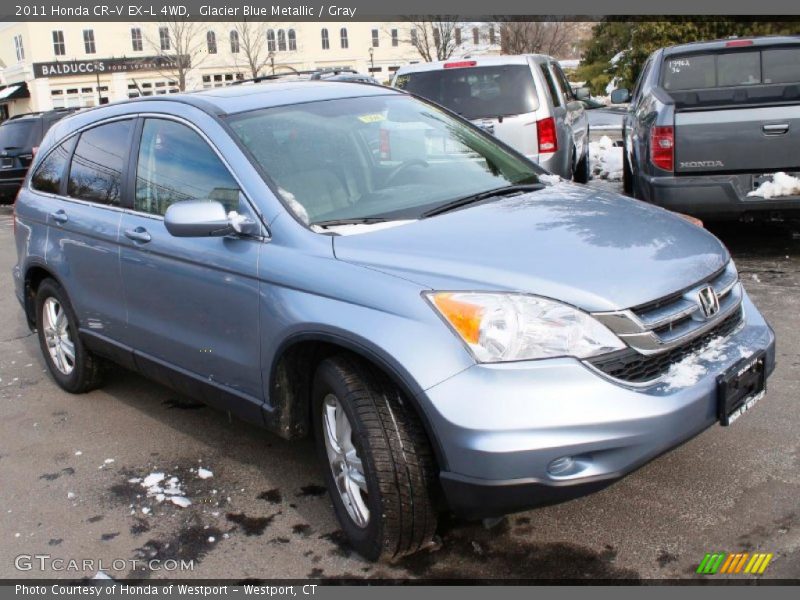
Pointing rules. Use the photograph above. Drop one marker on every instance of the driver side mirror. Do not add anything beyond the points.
(204, 218)
(620, 96)
(582, 93)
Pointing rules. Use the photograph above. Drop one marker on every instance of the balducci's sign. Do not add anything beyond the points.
(104, 65)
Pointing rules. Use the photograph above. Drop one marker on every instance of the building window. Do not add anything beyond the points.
(18, 48)
(59, 49)
(476, 35)
(211, 42)
(234, 42)
(375, 38)
(326, 42)
(457, 36)
(292, 40)
(88, 41)
(136, 39)
(163, 37)
(271, 40)
(414, 38)
(281, 40)
(395, 41)
(343, 36)
(491, 35)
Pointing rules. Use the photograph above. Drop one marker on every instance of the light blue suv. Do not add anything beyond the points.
(457, 328)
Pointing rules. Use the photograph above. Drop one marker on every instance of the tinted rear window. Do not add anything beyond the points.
(732, 69)
(19, 135)
(476, 92)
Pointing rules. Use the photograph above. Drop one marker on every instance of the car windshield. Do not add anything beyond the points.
(376, 157)
(17, 135)
(476, 92)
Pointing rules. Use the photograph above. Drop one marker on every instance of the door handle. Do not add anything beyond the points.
(775, 129)
(59, 217)
(138, 235)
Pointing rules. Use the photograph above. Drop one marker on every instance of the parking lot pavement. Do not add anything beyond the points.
(69, 467)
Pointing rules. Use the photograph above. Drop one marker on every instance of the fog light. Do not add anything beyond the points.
(560, 465)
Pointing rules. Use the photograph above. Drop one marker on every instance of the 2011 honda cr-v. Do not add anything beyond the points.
(448, 320)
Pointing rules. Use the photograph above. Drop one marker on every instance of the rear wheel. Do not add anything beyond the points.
(582, 173)
(627, 175)
(377, 461)
(71, 364)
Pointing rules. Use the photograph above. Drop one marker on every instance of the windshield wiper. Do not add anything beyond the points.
(354, 221)
(507, 190)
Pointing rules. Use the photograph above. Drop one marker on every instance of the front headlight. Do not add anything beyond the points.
(501, 327)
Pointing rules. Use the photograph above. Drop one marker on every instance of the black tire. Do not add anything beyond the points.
(87, 369)
(398, 464)
(582, 173)
(627, 174)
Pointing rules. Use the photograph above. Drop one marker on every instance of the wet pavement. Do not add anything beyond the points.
(72, 469)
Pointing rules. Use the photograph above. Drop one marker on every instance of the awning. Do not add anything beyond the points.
(13, 91)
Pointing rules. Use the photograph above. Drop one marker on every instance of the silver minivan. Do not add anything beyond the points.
(525, 101)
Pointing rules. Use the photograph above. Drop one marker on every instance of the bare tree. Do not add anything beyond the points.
(180, 46)
(556, 37)
(253, 46)
(434, 37)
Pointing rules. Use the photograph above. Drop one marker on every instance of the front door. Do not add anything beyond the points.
(192, 302)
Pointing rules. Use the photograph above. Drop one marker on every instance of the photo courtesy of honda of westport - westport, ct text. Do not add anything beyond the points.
(320, 300)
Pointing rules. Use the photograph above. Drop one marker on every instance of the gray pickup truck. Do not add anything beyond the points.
(710, 122)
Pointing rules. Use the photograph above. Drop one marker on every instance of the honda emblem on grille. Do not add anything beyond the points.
(709, 302)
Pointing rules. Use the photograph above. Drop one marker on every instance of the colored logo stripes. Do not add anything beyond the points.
(731, 564)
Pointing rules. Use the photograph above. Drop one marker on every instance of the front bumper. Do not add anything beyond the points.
(713, 196)
(500, 426)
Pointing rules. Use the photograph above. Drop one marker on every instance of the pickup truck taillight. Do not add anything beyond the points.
(546, 132)
(662, 147)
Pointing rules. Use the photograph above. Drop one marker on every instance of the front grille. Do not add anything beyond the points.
(631, 366)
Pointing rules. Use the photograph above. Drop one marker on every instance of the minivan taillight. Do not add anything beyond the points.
(662, 147)
(546, 132)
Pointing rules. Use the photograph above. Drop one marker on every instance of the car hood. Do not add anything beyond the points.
(593, 249)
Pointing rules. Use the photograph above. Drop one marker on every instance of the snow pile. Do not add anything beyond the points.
(357, 228)
(549, 178)
(237, 221)
(605, 159)
(781, 185)
(160, 488)
(204, 473)
(689, 370)
(297, 208)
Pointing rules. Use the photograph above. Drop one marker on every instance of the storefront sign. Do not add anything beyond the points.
(105, 65)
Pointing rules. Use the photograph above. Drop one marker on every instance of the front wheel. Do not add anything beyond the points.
(377, 461)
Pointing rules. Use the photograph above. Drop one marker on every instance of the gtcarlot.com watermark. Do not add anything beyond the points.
(89, 566)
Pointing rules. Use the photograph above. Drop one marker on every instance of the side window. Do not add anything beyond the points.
(176, 164)
(97, 164)
(562, 82)
(50, 173)
(642, 76)
(551, 86)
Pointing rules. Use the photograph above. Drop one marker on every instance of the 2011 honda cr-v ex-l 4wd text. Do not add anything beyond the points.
(456, 327)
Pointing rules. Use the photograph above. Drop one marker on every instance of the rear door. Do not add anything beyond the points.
(500, 98)
(192, 302)
(748, 139)
(83, 222)
(575, 119)
(737, 110)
